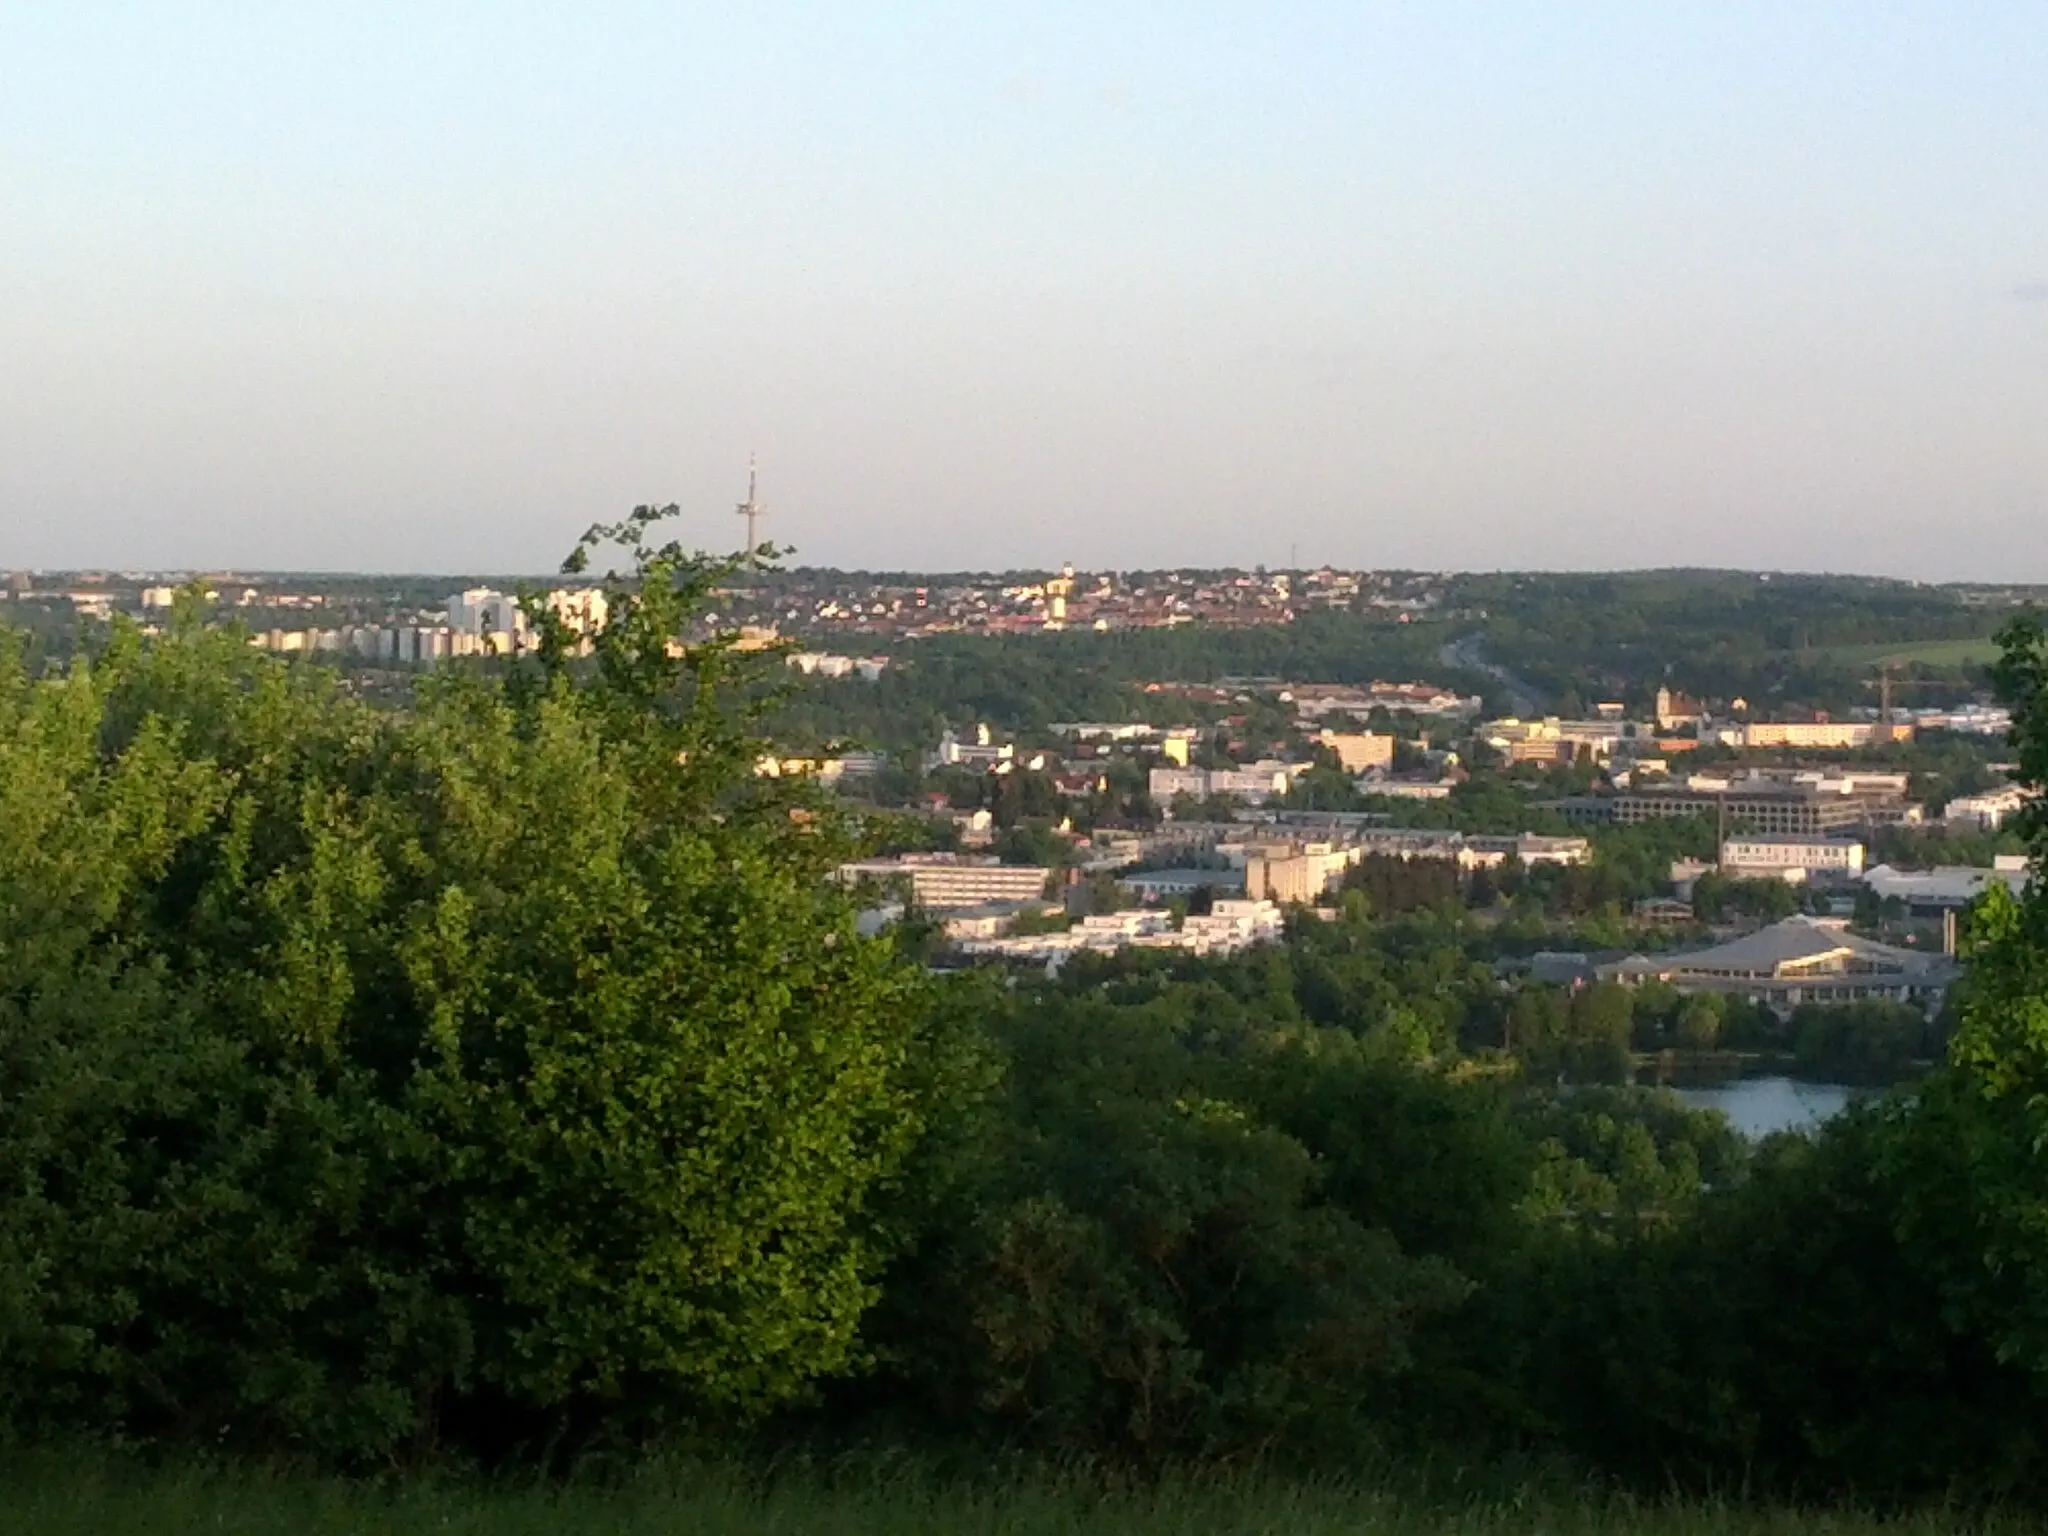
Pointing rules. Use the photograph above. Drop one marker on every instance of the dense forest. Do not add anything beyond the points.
(497, 1080)
(1728, 634)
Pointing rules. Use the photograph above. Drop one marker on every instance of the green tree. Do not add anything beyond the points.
(1150, 1266)
(1699, 1022)
(494, 1064)
(1974, 1157)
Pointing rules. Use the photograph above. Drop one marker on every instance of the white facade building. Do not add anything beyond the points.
(1359, 751)
(1986, 812)
(1253, 784)
(1794, 859)
(1229, 927)
(1295, 873)
(982, 752)
(1945, 888)
(582, 609)
(1165, 884)
(480, 611)
(939, 881)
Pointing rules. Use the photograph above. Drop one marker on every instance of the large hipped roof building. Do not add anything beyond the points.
(1800, 960)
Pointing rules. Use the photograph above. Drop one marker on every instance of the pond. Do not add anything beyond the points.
(1758, 1106)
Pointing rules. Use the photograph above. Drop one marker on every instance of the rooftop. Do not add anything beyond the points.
(1797, 946)
(1949, 885)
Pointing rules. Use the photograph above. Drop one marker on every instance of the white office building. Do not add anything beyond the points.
(1986, 812)
(1793, 859)
(940, 881)
(1253, 784)
(484, 611)
(1947, 888)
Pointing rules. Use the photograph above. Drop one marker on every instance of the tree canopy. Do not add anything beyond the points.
(507, 1055)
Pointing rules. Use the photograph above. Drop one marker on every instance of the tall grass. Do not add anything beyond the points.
(47, 1497)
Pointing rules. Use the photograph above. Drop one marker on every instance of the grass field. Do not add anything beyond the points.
(1928, 653)
(50, 1499)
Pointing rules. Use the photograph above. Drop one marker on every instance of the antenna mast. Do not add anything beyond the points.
(752, 510)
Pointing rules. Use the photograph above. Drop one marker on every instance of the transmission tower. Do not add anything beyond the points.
(753, 511)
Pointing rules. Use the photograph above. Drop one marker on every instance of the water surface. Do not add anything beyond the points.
(1760, 1105)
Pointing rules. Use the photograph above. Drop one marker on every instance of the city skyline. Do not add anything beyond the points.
(605, 570)
(1481, 288)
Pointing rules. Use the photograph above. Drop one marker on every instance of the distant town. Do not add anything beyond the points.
(403, 621)
(1219, 802)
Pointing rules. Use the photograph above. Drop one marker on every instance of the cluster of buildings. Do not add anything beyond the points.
(1812, 829)
(1174, 776)
(1802, 826)
(1612, 740)
(1783, 802)
(1985, 812)
(1226, 928)
(1817, 959)
(478, 621)
(1014, 603)
(979, 903)
(1839, 867)
(1248, 871)
(1300, 869)
(846, 767)
(103, 602)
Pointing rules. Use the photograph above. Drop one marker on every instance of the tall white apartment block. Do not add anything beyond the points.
(483, 611)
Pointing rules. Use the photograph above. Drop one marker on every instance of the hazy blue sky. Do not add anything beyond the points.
(1425, 284)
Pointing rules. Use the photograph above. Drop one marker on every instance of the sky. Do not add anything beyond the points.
(1436, 284)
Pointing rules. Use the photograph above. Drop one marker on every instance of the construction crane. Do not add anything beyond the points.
(1886, 683)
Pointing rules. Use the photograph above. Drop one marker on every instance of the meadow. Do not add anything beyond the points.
(1919, 653)
(53, 1499)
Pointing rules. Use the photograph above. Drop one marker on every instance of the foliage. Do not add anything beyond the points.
(1868, 1309)
(1812, 640)
(1177, 1249)
(1624, 1155)
(1581, 1036)
(370, 1076)
(1860, 1042)
(1716, 897)
(507, 1068)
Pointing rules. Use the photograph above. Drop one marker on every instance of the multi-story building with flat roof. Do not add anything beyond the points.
(1255, 783)
(1949, 888)
(1792, 858)
(1288, 873)
(1775, 810)
(1986, 812)
(1475, 851)
(1813, 735)
(943, 881)
(1165, 884)
(1359, 751)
